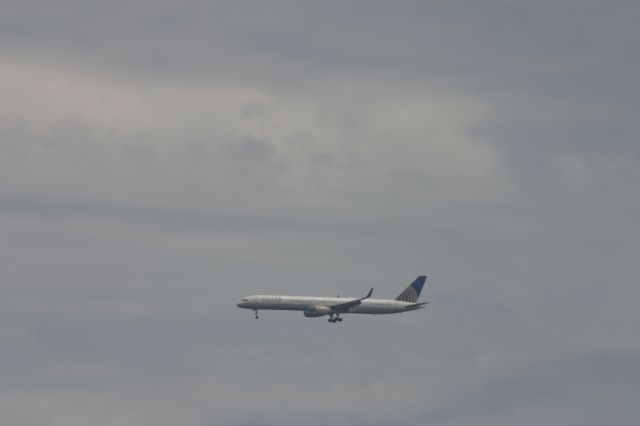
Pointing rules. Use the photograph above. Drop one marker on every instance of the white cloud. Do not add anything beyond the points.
(81, 134)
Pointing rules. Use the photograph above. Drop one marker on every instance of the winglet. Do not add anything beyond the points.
(368, 294)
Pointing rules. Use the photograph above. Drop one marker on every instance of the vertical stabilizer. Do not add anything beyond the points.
(412, 292)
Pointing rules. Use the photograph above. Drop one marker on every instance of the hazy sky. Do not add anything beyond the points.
(161, 159)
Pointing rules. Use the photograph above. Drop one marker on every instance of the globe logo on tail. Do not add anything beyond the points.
(411, 293)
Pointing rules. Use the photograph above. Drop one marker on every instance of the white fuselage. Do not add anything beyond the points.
(303, 303)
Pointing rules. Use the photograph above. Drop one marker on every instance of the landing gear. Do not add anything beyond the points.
(256, 312)
(336, 319)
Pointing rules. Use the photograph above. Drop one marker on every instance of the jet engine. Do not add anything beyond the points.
(317, 311)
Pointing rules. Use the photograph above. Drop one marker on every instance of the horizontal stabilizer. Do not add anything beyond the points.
(417, 305)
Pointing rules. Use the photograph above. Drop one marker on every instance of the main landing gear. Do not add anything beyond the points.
(256, 312)
(336, 319)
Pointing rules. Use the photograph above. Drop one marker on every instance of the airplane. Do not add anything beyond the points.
(334, 306)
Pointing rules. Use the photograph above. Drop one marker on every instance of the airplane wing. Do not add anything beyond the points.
(344, 307)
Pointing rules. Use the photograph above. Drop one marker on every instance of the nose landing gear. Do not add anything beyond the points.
(256, 312)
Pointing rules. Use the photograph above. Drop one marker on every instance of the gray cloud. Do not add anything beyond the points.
(159, 160)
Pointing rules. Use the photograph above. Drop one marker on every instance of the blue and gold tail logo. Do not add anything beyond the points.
(412, 292)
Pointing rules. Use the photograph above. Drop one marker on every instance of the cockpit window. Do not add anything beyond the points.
(244, 300)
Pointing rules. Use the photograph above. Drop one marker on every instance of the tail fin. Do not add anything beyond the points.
(412, 292)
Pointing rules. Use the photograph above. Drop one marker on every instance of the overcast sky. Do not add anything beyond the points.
(161, 159)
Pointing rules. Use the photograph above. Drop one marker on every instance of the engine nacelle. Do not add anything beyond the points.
(317, 311)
